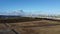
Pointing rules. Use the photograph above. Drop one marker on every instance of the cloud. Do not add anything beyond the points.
(18, 12)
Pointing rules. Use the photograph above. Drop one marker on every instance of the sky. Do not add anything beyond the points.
(46, 7)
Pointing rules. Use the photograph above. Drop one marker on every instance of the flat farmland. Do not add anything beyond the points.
(31, 26)
(36, 27)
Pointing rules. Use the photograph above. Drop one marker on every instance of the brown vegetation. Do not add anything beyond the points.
(17, 19)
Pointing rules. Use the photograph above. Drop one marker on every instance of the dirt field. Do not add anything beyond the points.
(31, 27)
